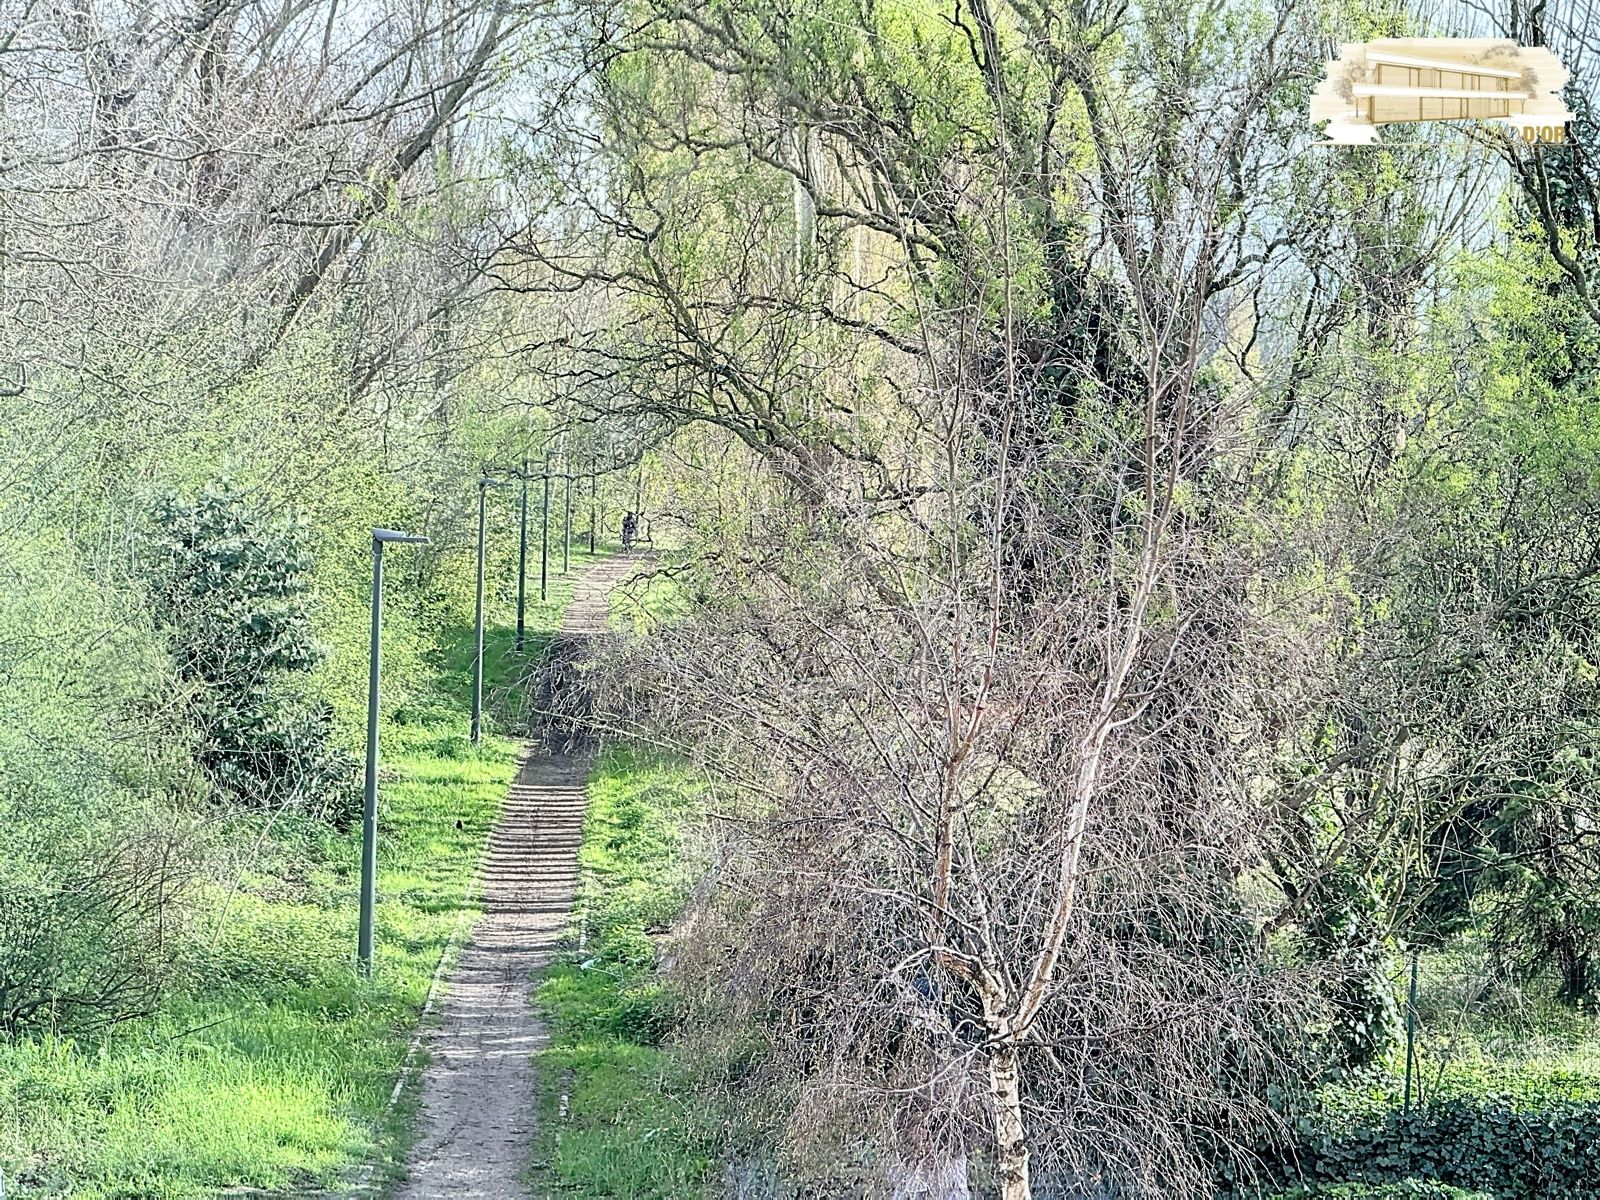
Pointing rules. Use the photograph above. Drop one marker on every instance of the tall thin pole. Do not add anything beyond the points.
(369, 800)
(594, 506)
(566, 521)
(477, 657)
(544, 540)
(522, 560)
(1411, 1027)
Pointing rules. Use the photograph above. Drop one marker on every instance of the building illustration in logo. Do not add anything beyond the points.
(1408, 80)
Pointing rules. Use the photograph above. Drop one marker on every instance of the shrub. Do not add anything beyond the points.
(90, 871)
(87, 920)
(1528, 1137)
(231, 586)
(1405, 1189)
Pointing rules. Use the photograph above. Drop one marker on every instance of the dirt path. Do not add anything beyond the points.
(475, 1129)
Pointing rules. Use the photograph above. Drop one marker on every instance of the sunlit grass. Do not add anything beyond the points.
(617, 1116)
(272, 1066)
(274, 1069)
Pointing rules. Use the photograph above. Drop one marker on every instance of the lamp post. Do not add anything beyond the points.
(522, 558)
(566, 518)
(1411, 1025)
(484, 484)
(369, 802)
(544, 538)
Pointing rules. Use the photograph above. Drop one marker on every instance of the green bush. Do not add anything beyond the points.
(232, 587)
(86, 912)
(1534, 1136)
(90, 869)
(1405, 1189)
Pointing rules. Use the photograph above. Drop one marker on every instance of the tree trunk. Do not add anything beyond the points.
(1010, 1140)
(1575, 973)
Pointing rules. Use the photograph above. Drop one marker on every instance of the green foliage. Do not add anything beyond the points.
(91, 868)
(231, 587)
(1344, 926)
(1507, 564)
(273, 1069)
(1470, 624)
(1416, 1189)
(1524, 1136)
(626, 1129)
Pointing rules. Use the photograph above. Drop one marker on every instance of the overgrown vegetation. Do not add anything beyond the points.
(619, 1115)
(270, 1063)
(247, 1051)
(90, 863)
(1136, 586)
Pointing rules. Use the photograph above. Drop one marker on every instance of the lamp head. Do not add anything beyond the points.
(394, 535)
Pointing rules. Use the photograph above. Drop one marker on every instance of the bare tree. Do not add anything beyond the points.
(989, 662)
(200, 202)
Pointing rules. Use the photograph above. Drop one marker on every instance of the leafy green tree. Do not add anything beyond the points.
(231, 584)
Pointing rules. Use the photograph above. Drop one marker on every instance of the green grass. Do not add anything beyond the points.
(504, 697)
(618, 1115)
(1503, 1040)
(272, 1069)
(272, 1065)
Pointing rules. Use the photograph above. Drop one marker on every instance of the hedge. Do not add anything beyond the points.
(1531, 1137)
(1405, 1189)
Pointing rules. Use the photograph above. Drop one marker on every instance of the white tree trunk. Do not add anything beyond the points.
(1010, 1139)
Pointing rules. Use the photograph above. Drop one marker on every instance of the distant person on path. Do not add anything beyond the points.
(630, 526)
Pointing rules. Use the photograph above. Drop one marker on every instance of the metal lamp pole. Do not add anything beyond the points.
(369, 802)
(522, 559)
(484, 484)
(594, 505)
(544, 539)
(1411, 1025)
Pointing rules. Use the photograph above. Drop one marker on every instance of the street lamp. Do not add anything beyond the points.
(544, 535)
(484, 484)
(369, 802)
(566, 517)
(594, 499)
(522, 559)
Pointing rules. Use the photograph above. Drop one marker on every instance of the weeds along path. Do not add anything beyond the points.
(478, 1101)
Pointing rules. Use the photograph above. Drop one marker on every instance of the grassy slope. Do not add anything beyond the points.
(616, 1117)
(273, 1067)
(1515, 1043)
